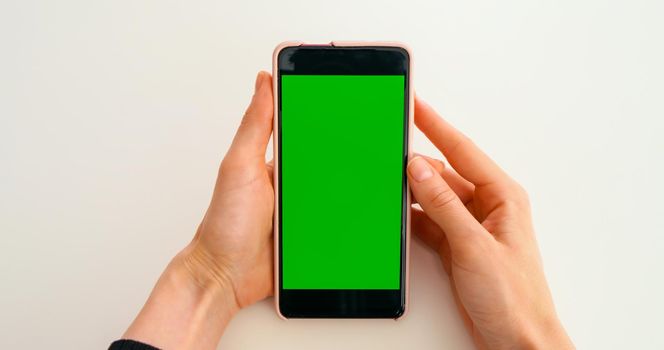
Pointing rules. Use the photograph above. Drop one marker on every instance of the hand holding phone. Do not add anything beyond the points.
(228, 263)
(474, 216)
(478, 219)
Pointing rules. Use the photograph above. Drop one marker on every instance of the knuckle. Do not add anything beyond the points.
(511, 207)
(520, 195)
(442, 197)
(224, 166)
(513, 197)
(247, 117)
(455, 145)
(229, 164)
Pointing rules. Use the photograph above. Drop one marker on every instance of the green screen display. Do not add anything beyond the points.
(342, 147)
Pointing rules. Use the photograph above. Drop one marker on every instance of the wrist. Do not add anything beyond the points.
(201, 271)
(547, 333)
(188, 308)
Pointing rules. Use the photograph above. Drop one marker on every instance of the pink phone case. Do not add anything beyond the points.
(275, 142)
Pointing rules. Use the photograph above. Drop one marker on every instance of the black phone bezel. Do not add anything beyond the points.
(345, 60)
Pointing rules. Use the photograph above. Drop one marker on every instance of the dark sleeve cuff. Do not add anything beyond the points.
(126, 344)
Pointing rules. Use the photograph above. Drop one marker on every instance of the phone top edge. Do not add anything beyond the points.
(344, 43)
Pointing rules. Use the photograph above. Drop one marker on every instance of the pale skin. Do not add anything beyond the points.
(472, 214)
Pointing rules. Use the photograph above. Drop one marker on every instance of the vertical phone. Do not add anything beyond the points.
(342, 213)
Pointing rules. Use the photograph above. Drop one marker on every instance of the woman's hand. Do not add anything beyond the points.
(478, 220)
(233, 245)
(228, 264)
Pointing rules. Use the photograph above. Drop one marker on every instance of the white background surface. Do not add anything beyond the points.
(114, 116)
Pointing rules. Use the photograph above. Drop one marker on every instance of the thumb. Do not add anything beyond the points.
(254, 132)
(441, 204)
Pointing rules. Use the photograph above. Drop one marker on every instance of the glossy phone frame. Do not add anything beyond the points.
(359, 303)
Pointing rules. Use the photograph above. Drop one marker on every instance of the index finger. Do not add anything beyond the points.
(464, 156)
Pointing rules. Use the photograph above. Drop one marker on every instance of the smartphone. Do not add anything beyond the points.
(341, 144)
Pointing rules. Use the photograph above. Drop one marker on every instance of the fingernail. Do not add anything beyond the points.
(259, 81)
(419, 169)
